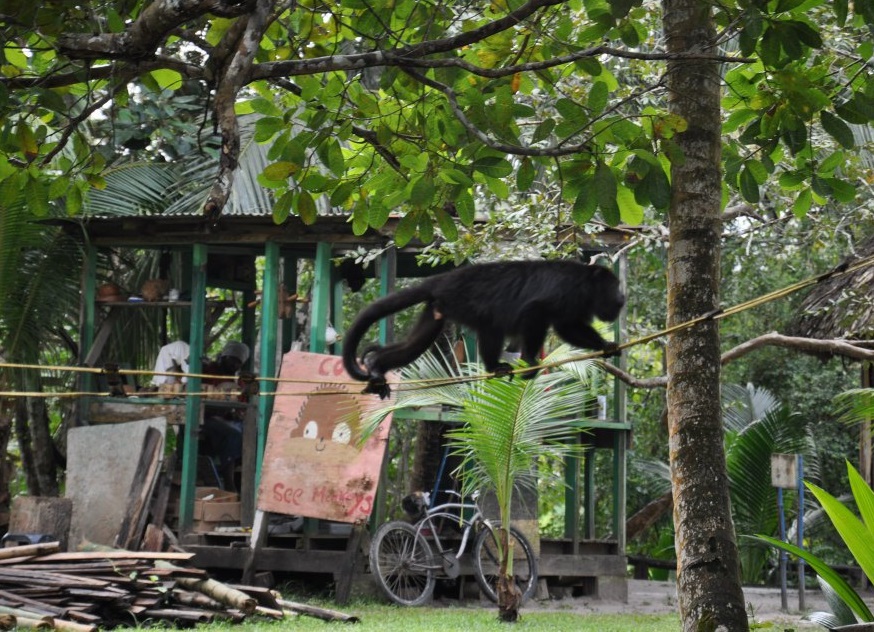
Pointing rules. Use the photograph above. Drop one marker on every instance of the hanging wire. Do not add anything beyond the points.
(411, 385)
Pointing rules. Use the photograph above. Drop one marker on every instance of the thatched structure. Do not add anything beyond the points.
(841, 306)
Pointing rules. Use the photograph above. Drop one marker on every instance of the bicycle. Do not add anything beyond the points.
(407, 559)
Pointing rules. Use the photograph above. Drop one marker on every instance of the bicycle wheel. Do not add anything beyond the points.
(487, 563)
(401, 562)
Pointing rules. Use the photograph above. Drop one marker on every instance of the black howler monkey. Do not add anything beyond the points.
(519, 299)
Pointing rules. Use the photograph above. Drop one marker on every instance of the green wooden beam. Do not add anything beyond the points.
(269, 331)
(321, 297)
(88, 324)
(388, 270)
(193, 404)
(338, 294)
(289, 325)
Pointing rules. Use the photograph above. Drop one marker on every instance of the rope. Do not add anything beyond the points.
(411, 385)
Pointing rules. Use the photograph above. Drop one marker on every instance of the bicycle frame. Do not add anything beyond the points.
(432, 514)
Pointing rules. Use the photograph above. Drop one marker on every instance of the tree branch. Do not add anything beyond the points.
(235, 76)
(833, 347)
(145, 34)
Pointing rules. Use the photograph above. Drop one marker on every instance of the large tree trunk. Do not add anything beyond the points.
(708, 571)
(6, 470)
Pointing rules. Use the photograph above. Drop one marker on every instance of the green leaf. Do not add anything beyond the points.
(493, 166)
(802, 204)
(426, 228)
(280, 170)
(342, 193)
(841, 190)
(658, 188)
(306, 208)
(377, 215)
(853, 531)
(37, 197)
(167, 79)
(805, 33)
(455, 176)
(838, 583)
(334, 159)
(585, 204)
(598, 96)
(629, 210)
(837, 129)
(406, 229)
(769, 48)
(422, 192)
(446, 224)
(282, 207)
(267, 127)
(749, 188)
(841, 11)
(543, 130)
(863, 495)
(360, 223)
(525, 175)
(465, 207)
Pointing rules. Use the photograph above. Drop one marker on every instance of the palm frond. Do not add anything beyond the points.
(743, 405)
(141, 188)
(855, 406)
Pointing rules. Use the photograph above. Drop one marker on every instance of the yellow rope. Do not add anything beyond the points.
(409, 385)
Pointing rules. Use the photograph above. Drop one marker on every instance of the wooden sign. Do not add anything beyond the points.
(784, 472)
(314, 463)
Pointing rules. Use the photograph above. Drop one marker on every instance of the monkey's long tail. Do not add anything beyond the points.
(370, 315)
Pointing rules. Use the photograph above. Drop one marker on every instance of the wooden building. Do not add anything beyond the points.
(205, 256)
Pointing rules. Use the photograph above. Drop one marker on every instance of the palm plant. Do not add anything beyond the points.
(858, 535)
(506, 427)
(756, 427)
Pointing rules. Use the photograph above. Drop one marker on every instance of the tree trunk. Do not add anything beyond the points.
(509, 594)
(708, 571)
(6, 470)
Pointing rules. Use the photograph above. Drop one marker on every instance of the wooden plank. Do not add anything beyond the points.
(115, 555)
(29, 549)
(143, 484)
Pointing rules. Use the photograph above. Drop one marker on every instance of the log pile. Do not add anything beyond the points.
(41, 588)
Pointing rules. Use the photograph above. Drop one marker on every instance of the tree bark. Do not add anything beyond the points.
(708, 571)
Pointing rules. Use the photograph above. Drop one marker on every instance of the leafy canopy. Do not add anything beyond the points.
(425, 107)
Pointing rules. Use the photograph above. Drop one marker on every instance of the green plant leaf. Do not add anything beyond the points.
(853, 531)
(306, 208)
(838, 583)
(837, 129)
(749, 188)
(863, 496)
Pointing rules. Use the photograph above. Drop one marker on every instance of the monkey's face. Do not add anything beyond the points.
(609, 303)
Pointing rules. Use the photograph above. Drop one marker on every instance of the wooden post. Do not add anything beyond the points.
(269, 330)
(193, 408)
(321, 297)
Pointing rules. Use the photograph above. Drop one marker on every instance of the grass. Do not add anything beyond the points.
(469, 619)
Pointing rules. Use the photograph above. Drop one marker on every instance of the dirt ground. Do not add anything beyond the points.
(654, 597)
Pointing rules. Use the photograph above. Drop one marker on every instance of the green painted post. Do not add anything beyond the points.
(193, 403)
(620, 470)
(289, 325)
(388, 270)
(321, 297)
(269, 329)
(589, 494)
(572, 501)
(87, 325)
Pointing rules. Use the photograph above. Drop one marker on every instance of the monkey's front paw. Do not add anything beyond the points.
(504, 370)
(378, 386)
(611, 349)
